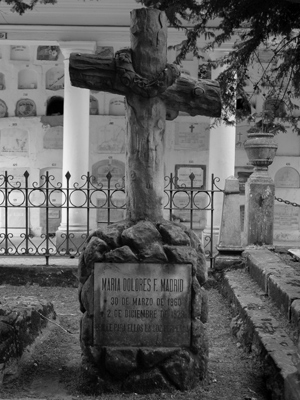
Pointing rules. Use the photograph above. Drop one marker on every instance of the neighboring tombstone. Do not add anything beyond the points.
(230, 241)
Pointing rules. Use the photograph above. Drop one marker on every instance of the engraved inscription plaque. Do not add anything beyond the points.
(142, 304)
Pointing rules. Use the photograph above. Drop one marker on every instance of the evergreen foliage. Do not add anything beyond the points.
(20, 6)
(272, 25)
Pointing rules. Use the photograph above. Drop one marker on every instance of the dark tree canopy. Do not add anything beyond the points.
(269, 24)
(20, 6)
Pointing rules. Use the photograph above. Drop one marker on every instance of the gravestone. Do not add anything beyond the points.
(141, 279)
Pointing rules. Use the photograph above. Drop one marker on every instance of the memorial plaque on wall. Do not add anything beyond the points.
(53, 138)
(185, 172)
(191, 136)
(287, 177)
(111, 139)
(142, 304)
(13, 140)
(286, 218)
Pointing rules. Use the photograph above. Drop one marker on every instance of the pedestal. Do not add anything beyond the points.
(230, 245)
(144, 308)
(259, 208)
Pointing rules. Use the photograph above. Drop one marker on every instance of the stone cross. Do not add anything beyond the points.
(154, 91)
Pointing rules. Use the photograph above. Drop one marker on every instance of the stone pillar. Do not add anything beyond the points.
(221, 163)
(75, 142)
(230, 243)
(259, 209)
(259, 190)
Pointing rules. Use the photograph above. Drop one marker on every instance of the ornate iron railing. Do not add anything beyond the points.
(36, 218)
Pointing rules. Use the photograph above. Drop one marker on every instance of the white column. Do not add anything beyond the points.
(221, 163)
(76, 135)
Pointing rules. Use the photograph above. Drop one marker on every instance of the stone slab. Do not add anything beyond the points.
(262, 263)
(263, 334)
(283, 291)
(143, 305)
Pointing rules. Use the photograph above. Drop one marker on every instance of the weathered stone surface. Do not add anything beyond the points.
(295, 314)
(181, 254)
(225, 261)
(187, 254)
(22, 319)
(182, 370)
(154, 253)
(95, 250)
(82, 309)
(152, 356)
(259, 215)
(201, 269)
(139, 236)
(84, 270)
(120, 362)
(196, 242)
(200, 346)
(86, 329)
(148, 382)
(121, 255)
(173, 234)
(87, 295)
(200, 302)
(111, 234)
(7, 339)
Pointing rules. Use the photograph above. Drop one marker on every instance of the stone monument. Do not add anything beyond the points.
(144, 307)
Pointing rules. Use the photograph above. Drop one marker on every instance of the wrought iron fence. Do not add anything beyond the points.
(36, 218)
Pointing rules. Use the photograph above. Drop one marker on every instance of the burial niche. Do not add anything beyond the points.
(27, 79)
(117, 106)
(94, 109)
(55, 106)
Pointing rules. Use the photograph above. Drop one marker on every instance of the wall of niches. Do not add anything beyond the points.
(32, 84)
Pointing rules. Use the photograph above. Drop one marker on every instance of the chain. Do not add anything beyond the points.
(287, 202)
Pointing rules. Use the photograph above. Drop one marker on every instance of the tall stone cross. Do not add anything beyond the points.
(154, 91)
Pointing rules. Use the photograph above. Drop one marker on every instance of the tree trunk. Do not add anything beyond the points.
(146, 119)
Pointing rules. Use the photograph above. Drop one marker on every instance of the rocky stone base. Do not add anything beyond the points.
(147, 370)
(141, 369)
(21, 322)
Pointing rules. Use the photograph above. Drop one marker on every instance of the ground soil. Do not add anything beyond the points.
(51, 370)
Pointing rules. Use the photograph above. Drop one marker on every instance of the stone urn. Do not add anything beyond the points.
(261, 149)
